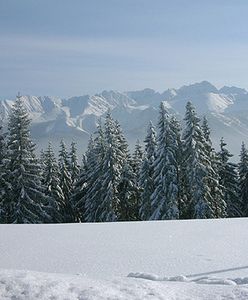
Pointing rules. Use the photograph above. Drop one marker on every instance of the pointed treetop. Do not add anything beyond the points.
(18, 96)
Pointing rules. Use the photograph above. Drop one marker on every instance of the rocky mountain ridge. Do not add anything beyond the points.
(75, 118)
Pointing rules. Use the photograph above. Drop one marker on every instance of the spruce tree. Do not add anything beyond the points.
(113, 161)
(243, 179)
(74, 167)
(3, 183)
(127, 189)
(42, 158)
(127, 193)
(175, 128)
(80, 198)
(216, 196)
(146, 174)
(65, 183)
(52, 185)
(26, 201)
(165, 195)
(137, 158)
(229, 180)
(136, 162)
(93, 191)
(195, 165)
(79, 191)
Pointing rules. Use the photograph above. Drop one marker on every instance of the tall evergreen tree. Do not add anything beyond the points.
(128, 192)
(3, 183)
(137, 158)
(52, 185)
(113, 161)
(65, 183)
(136, 163)
(229, 180)
(83, 184)
(127, 189)
(150, 143)
(93, 191)
(195, 165)
(243, 179)
(74, 167)
(42, 159)
(146, 174)
(78, 194)
(122, 142)
(176, 135)
(165, 195)
(26, 200)
(217, 200)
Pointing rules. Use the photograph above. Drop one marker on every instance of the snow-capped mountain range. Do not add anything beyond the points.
(76, 118)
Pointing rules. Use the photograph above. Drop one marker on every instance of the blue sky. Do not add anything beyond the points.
(66, 48)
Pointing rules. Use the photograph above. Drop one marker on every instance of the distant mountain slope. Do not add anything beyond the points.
(75, 118)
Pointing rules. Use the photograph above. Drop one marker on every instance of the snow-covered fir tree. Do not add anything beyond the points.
(42, 159)
(113, 162)
(136, 162)
(51, 182)
(93, 192)
(78, 193)
(146, 174)
(74, 166)
(83, 184)
(176, 133)
(165, 195)
(65, 183)
(128, 194)
(137, 157)
(229, 180)
(243, 179)
(128, 190)
(195, 168)
(26, 201)
(3, 183)
(218, 204)
(122, 142)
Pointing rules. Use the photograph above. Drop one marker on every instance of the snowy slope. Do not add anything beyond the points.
(196, 259)
(76, 117)
(107, 250)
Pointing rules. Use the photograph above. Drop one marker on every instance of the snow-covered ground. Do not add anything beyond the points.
(195, 259)
(20, 285)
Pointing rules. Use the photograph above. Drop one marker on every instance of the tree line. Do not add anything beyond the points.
(178, 175)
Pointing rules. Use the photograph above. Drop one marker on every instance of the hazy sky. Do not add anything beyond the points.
(74, 47)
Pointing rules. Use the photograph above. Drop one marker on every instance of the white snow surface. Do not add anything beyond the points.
(194, 259)
(21, 285)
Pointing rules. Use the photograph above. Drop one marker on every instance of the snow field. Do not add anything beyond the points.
(23, 285)
(196, 259)
(106, 250)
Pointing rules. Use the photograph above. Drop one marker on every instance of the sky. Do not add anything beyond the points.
(66, 48)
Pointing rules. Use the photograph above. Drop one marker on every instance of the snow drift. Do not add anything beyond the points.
(23, 285)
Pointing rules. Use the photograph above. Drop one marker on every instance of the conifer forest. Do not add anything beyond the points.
(177, 174)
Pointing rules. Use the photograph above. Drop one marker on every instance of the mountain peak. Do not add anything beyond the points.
(199, 87)
(145, 96)
(76, 117)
